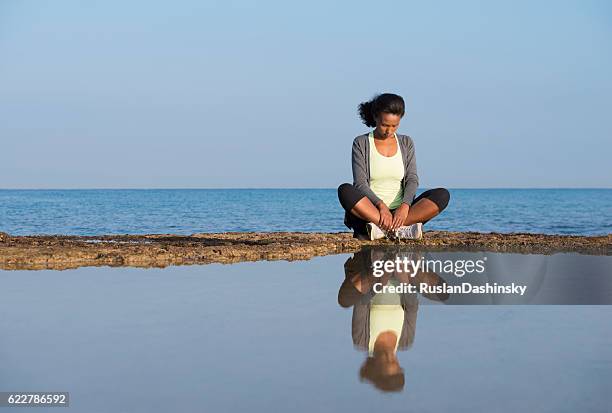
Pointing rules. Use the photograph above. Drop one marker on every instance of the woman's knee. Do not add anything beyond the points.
(342, 189)
(441, 197)
(348, 196)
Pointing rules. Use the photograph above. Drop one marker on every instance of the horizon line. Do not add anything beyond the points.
(269, 188)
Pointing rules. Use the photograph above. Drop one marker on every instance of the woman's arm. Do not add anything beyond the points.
(360, 171)
(411, 179)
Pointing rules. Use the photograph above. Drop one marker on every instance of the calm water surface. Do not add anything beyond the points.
(288, 336)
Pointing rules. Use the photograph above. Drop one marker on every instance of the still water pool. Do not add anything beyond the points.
(308, 336)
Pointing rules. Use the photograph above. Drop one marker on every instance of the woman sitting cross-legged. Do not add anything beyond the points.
(381, 201)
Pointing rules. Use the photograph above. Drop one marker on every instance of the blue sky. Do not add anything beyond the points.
(190, 94)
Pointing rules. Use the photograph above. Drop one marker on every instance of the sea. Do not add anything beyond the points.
(188, 211)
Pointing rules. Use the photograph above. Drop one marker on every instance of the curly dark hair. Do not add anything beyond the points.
(386, 102)
(372, 372)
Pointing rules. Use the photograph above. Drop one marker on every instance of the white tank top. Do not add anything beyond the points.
(386, 174)
(386, 314)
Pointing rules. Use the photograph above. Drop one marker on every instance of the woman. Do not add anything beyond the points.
(381, 202)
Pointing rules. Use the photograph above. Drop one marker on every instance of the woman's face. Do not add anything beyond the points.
(387, 124)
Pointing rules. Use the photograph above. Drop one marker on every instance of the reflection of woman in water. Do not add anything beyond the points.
(382, 323)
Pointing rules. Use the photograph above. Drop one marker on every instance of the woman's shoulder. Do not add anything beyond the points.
(405, 140)
(361, 140)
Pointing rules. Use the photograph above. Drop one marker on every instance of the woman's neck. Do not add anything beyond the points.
(382, 137)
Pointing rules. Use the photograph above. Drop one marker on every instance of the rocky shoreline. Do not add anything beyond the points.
(59, 252)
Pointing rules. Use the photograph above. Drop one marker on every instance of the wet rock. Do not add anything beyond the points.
(160, 250)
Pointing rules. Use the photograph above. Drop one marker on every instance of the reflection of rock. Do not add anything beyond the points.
(161, 250)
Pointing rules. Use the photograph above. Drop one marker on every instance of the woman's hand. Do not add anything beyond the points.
(399, 216)
(386, 218)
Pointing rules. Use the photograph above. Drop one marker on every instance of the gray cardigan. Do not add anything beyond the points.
(361, 167)
(360, 323)
(361, 264)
